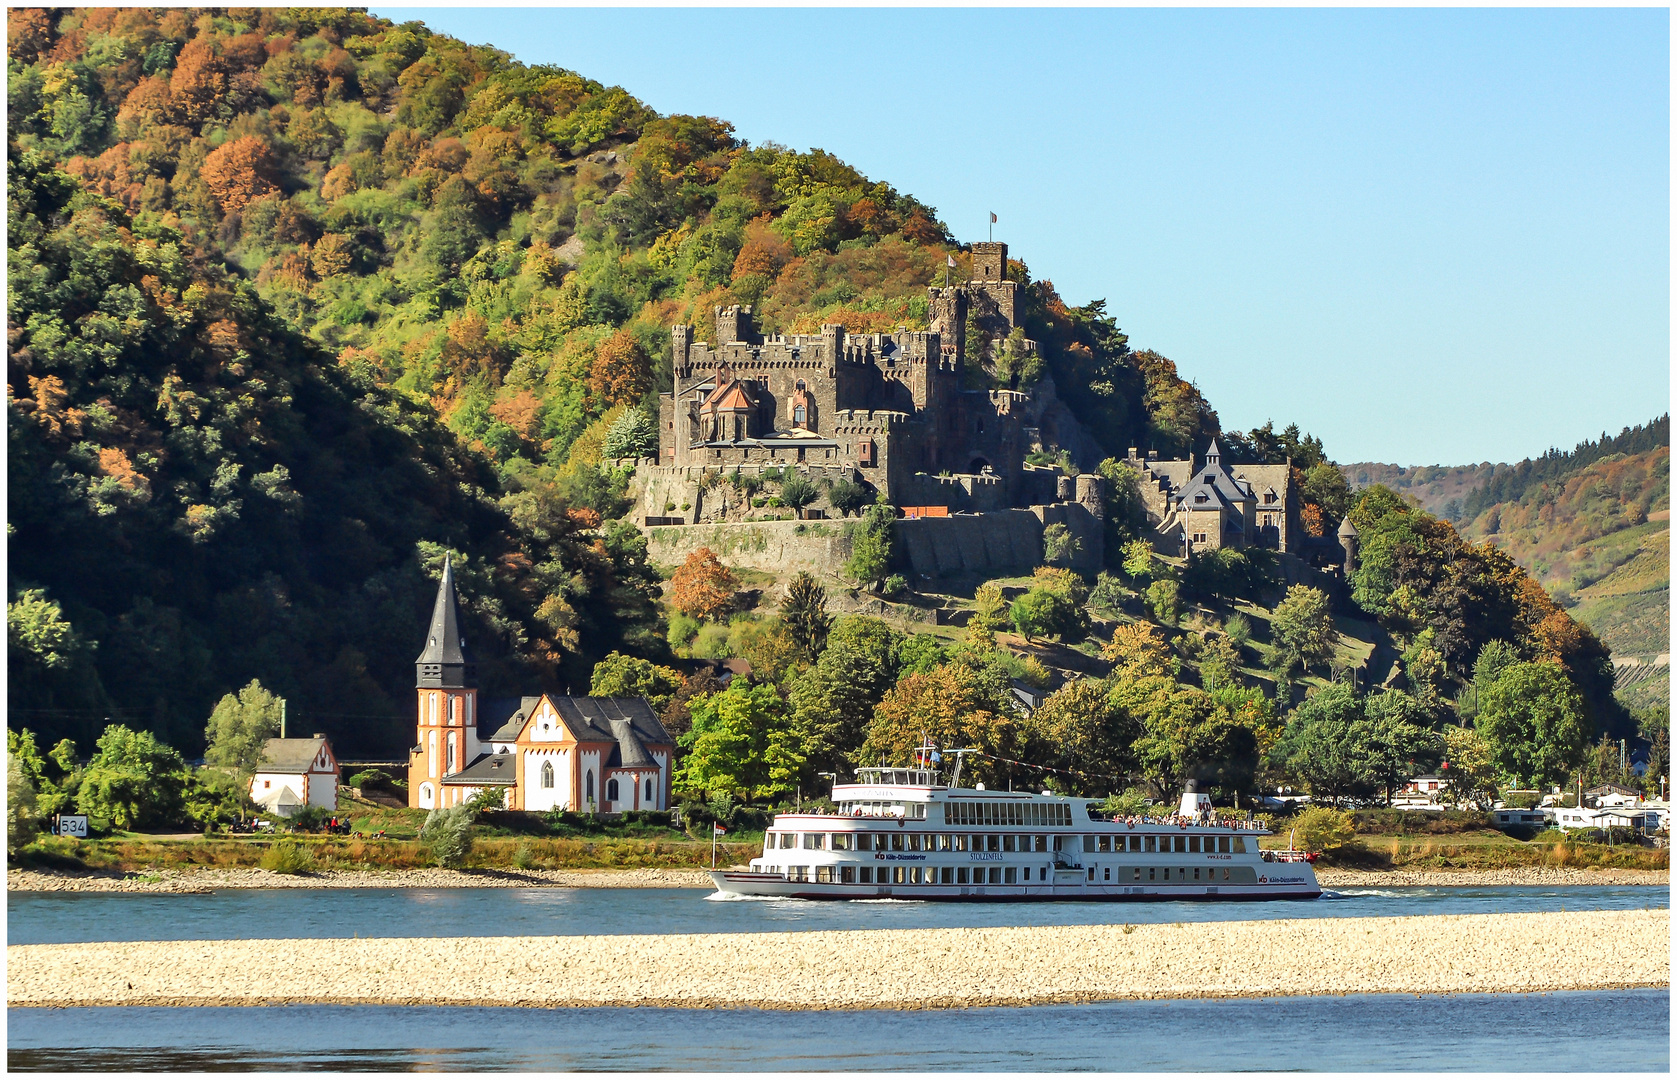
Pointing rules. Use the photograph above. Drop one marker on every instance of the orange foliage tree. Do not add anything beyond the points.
(702, 588)
(622, 371)
(239, 172)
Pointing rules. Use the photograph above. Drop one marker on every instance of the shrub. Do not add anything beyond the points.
(287, 857)
(1321, 829)
(1239, 629)
(307, 819)
(447, 834)
(798, 493)
(523, 859)
(375, 779)
(711, 642)
(895, 585)
(682, 629)
(848, 497)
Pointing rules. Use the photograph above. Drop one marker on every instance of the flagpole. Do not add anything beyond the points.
(713, 845)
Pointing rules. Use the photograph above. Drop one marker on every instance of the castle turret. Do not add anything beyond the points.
(1348, 544)
(446, 680)
(734, 324)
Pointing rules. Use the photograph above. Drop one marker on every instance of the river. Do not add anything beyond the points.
(55, 917)
(1594, 1031)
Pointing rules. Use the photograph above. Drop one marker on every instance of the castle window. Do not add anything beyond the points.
(611, 790)
(800, 415)
(547, 774)
(1201, 498)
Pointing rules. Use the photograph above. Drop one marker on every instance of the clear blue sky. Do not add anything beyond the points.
(1429, 237)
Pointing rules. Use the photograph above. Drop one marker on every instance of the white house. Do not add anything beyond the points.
(1625, 817)
(294, 773)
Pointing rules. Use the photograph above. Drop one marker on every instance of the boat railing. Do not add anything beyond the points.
(1288, 856)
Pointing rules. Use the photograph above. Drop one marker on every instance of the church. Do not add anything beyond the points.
(545, 752)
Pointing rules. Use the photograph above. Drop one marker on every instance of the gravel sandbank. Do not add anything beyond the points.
(860, 969)
(1531, 875)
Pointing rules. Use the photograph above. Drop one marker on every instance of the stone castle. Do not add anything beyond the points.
(1201, 504)
(887, 410)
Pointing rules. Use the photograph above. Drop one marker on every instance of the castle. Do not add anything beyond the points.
(544, 752)
(887, 410)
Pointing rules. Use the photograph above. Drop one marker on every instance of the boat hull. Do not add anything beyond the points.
(747, 883)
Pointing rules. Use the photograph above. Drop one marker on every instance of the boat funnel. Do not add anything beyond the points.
(1194, 802)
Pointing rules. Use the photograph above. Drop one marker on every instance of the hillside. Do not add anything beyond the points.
(1592, 525)
(303, 302)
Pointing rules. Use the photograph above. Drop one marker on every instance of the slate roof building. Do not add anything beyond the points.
(294, 773)
(1206, 503)
(545, 752)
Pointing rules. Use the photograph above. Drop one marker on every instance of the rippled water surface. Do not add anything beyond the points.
(298, 912)
(1597, 1031)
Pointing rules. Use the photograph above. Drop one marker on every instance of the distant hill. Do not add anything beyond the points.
(1592, 525)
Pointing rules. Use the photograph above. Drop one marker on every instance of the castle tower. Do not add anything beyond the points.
(446, 680)
(1348, 544)
(989, 261)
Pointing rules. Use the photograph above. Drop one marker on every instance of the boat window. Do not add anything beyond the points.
(1196, 873)
(1150, 873)
(1007, 842)
(847, 875)
(788, 839)
(1088, 843)
(995, 842)
(1176, 843)
(1106, 874)
(1223, 844)
(1042, 843)
(947, 875)
(961, 875)
(897, 875)
(996, 875)
(1240, 845)
(1136, 875)
(1012, 876)
(1193, 844)
(897, 841)
(1150, 843)
(1225, 873)
(943, 841)
(814, 840)
(914, 841)
(824, 874)
(867, 875)
(841, 841)
(1105, 843)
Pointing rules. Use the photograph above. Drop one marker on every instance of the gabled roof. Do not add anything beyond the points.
(290, 755)
(628, 723)
(730, 396)
(1213, 480)
(486, 770)
(509, 715)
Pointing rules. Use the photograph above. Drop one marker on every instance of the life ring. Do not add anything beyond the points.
(1132, 824)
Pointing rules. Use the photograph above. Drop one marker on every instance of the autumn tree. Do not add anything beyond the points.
(239, 172)
(621, 675)
(622, 371)
(1137, 650)
(1302, 629)
(741, 742)
(955, 705)
(1078, 729)
(702, 587)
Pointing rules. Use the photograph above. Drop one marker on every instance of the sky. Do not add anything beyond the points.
(1426, 236)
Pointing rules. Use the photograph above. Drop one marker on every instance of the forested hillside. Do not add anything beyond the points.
(302, 301)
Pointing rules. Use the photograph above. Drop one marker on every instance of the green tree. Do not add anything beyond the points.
(1186, 733)
(1302, 628)
(1053, 607)
(1318, 828)
(871, 545)
(37, 631)
(22, 824)
(1059, 546)
(804, 611)
(1534, 721)
(1400, 744)
(621, 675)
(847, 497)
(1468, 771)
(797, 492)
(133, 780)
(741, 741)
(1139, 561)
(990, 608)
(1164, 600)
(1077, 728)
(239, 727)
(634, 434)
(961, 704)
(1327, 745)
(833, 701)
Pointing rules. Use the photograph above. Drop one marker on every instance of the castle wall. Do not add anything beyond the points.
(773, 546)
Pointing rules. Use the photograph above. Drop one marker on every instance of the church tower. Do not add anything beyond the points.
(446, 680)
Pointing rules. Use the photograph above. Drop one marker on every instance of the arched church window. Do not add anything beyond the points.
(427, 797)
(547, 774)
(588, 785)
(611, 790)
(451, 753)
(649, 789)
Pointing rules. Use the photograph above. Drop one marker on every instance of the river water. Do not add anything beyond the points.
(34, 918)
(1595, 1031)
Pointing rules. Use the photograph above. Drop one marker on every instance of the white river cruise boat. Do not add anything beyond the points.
(901, 833)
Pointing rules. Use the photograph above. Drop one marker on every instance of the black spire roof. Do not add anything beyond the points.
(445, 661)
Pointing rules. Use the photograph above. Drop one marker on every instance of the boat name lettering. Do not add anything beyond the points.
(985, 856)
(892, 856)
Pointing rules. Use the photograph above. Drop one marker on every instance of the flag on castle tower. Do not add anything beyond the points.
(992, 217)
(952, 261)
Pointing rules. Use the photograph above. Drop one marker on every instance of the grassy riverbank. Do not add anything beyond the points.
(1004, 966)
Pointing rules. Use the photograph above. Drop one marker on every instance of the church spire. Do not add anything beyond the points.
(445, 662)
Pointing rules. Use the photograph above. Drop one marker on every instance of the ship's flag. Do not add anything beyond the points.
(717, 830)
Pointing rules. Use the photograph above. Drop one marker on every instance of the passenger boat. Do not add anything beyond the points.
(901, 833)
